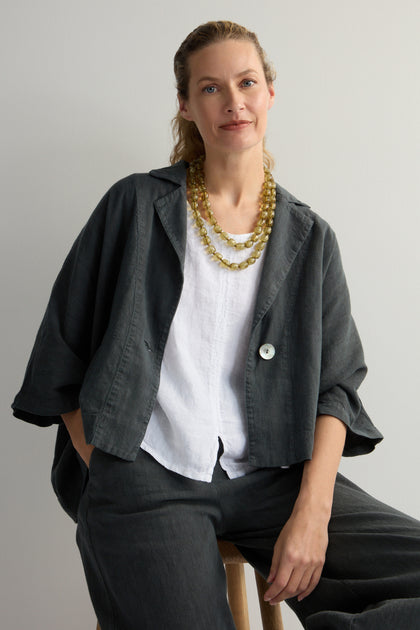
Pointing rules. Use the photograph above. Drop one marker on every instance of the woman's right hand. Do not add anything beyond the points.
(74, 424)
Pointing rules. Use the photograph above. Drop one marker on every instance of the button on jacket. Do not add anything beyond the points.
(101, 341)
(267, 351)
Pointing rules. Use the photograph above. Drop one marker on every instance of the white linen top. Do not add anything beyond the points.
(201, 390)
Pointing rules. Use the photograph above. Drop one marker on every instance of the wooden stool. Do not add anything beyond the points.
(233, 560)
(236, 588)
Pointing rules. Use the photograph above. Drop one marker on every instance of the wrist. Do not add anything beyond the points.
(318, 505)
(74, 424)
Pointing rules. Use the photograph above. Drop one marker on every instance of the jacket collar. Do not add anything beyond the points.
(292, 224)
(175, 173)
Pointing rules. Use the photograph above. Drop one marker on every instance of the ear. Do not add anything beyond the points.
(271, 96)
(184, 109)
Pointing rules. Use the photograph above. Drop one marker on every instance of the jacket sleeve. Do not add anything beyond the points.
(342, 363)
(76, 316)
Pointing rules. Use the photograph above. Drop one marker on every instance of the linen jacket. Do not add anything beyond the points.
(101, 341)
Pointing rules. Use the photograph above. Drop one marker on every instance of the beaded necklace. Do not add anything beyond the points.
(261, 233)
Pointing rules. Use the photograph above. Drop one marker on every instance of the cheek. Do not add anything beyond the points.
(263, 103)
(206, 116)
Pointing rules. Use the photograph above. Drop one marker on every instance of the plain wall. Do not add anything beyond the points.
(87, 96)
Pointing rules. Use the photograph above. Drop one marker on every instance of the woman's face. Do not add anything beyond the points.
(228, 96)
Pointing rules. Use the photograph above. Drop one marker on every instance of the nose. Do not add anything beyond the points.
(234, 102)
(235, 108)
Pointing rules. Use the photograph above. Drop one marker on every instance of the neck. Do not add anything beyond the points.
(236, 178)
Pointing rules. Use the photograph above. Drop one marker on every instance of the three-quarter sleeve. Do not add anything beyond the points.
(76, 317)
(342, 362)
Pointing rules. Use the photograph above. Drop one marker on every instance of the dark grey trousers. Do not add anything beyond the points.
(148, 540)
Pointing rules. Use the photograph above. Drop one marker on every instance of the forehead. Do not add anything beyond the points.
(224, 58)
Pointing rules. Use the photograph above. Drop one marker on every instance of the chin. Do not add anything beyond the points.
(241, 147)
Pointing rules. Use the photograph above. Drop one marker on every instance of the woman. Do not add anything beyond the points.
(201, 327)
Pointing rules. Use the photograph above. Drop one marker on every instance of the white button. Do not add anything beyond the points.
(267, 351)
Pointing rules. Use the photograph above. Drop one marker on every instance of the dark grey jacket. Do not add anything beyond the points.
(101, 342)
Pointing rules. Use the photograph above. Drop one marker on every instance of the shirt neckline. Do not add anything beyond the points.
(244, 235)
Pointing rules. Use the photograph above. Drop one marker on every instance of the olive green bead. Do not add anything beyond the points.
(262, 230)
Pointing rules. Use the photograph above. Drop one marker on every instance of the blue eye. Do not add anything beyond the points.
(209, 89)
(248, 82)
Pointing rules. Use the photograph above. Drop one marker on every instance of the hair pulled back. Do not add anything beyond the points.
(188, 141)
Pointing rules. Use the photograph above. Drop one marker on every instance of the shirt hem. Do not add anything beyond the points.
(173, 467)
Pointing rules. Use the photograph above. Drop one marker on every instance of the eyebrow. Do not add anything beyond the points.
(240, 74)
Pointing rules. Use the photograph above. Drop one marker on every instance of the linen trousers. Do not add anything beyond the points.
(148, 541)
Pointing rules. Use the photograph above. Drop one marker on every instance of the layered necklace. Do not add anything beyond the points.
(259, 237)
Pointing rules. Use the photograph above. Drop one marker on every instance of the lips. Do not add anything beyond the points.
(236, 125)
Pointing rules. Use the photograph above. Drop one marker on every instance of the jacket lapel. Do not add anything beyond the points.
(290, 229)
(171, 206)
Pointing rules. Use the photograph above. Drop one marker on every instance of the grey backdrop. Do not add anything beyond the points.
(87, 95)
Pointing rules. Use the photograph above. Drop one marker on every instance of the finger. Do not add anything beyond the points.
(305, 581)
(275, 564)
(300, 583)
(292, 587)
(316, 576)
(284, 588)
(279, 583)
(272, 574)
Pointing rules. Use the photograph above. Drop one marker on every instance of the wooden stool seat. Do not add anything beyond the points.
(236, 589)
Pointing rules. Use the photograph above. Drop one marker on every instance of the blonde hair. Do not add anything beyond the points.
(188, 141)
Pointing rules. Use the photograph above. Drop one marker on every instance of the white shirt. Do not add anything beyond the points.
(201, 390)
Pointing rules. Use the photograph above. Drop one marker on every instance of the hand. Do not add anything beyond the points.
(74, 423)
(85, 453)
(299, 556)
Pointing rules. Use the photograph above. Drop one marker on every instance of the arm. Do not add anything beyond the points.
(74, 425)
(79, 310)
(299, 553)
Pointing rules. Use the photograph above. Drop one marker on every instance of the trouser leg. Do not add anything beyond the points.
(374, 554)
(372, 571)
(147, 538)
(149, 548)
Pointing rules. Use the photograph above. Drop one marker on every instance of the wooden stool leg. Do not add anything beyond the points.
(236, 588)
(98, 626)
(270, 615)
